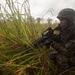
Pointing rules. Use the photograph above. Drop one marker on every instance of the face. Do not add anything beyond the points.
(63, 23)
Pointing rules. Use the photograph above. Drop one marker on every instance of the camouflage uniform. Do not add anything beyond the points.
(64, 42)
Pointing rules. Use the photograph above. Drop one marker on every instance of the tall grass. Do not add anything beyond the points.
(17, 31)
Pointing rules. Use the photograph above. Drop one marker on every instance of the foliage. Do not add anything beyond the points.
(17, 31)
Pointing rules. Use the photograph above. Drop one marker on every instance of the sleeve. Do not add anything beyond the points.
(65, 49)
(60, 48)
(71, 51)
(71, 47)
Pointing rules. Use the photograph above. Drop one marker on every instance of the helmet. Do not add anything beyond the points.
(67, 13)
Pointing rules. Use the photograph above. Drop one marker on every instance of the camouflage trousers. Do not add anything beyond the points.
(62, 62)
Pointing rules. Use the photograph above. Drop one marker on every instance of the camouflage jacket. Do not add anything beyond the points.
(65, 46)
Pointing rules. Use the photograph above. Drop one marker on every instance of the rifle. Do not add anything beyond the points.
(46, 38)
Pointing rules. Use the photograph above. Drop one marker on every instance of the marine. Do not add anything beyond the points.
(64, 43)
